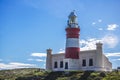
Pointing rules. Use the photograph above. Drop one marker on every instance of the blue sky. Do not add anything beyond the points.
(29, 27)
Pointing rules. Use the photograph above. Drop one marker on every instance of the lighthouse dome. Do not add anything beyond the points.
(72, 20)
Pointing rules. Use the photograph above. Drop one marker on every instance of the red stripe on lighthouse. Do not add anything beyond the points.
(72, 32)
(72, 52)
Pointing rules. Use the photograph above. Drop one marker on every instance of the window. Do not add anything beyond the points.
(66, 65)
(55, 65)
(84, 62)
(61, 64)
(90, 62)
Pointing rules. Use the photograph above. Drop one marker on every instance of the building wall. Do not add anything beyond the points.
(107, 64)
(86, 55)
(76, 64)
(57, 58)
(73, 64)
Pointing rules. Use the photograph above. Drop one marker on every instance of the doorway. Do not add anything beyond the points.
(66, 65)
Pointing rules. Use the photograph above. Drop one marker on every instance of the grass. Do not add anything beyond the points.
(37, 74)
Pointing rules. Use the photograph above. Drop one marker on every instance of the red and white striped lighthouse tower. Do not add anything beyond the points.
(72, 37)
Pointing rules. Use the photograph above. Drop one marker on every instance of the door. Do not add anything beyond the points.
(66, 65)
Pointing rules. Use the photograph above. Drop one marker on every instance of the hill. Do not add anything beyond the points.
(40, 74)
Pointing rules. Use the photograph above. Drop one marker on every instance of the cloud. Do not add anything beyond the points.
(110, 40)
(14, 65)
(113, 54)
(61, 51)
(93, 23)
(112, 26)
(88, 44)
(99, 20)
(30, 59)
(100, 29)
(38, 54)
(38, 60)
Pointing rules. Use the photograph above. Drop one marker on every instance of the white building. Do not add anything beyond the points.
(73, 58)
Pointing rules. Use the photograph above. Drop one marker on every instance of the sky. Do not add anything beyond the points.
(29, 27)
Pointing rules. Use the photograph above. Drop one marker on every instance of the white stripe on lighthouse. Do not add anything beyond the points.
(72, 42)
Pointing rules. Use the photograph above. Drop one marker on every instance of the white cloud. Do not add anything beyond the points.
(110, 40)
(88, 44)
(13, 65)
(100, 29)
(113, 54)
(99, 20)
(112, 26)
(30, 59)
(38, 54)
(61, 51)
(40, 60)
(93, 23)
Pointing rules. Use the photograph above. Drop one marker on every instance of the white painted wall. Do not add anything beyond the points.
(73, 64)
(76, 64)
(72, 42)
(57, 57)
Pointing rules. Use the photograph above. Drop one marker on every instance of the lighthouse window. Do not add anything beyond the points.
(90, 62)
(61, 64)
(84, 62)
(55, 65)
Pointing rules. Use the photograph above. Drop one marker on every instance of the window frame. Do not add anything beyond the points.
(55, 64)
(61, 64)
(90, 62)
(66, 65)
(84, 62)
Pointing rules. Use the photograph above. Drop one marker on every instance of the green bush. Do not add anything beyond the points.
(62, 78)
(36, 74)
(98, 78)
(102, 74)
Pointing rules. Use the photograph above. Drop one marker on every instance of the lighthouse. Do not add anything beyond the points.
(72, 37)
(72, 43)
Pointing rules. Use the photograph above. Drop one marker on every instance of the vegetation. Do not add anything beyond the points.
(38, 74)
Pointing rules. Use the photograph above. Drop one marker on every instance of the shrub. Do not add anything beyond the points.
(62, 78)
(102, 74)
(98, 78)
